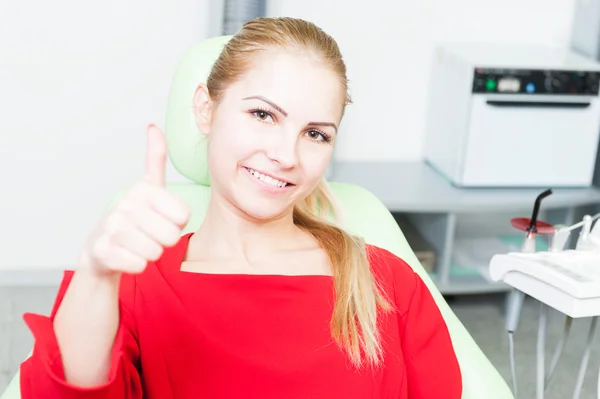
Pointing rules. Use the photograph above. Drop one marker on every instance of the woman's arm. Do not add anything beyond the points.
(432, 368)
(86, 326)
(90, 328)
(87, 348)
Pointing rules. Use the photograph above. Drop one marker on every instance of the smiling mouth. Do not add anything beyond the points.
(268, 179)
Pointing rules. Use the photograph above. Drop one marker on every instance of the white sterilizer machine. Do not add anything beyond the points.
(512, 116)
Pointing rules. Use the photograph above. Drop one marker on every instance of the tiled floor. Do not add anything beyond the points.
(482, 315)
(15, 338)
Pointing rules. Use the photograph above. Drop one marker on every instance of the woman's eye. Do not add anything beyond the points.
(262, 116)
(318, 136)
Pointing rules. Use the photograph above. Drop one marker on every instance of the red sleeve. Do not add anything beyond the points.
(431, 364)
(42, 375)
(432, 369)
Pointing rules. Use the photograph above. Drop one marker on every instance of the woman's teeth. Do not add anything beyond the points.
(267, 179)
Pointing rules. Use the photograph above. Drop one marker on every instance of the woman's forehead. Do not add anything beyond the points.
(296, 82)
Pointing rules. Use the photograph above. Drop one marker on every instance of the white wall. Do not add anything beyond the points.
(386, 120)
(79, 82)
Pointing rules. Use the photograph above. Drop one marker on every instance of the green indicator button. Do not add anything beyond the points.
(490, 85)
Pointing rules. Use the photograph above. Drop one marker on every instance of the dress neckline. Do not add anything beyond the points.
(173, 258)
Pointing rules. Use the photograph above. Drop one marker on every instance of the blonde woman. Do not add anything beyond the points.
(266, 299)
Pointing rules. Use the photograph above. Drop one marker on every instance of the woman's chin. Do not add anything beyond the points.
(263, 211)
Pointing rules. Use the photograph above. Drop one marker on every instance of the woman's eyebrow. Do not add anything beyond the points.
(278, 108)
(333, 125)
(271, 103)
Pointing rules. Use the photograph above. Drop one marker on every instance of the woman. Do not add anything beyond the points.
(266, 299)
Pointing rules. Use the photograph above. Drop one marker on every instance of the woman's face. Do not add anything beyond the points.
(272, 133)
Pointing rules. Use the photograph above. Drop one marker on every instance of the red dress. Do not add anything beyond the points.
(187, 335)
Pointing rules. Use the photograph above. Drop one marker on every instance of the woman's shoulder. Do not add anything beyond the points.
(383, 262)
(393, 274)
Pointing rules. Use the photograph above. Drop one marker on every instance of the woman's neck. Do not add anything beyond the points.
(228, 233)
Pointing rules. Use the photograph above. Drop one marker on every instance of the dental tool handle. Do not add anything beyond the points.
(583, 240)
(529, 243)
(513, 309)
(559, 239)
(536, 209)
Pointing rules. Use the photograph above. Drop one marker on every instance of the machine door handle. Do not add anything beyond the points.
(537, 104)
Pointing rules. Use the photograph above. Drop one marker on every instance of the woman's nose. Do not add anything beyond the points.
(284, 151)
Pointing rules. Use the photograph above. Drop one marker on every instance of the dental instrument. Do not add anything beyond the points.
(565, 279)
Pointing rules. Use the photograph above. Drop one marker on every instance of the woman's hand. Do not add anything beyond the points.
(148, 219)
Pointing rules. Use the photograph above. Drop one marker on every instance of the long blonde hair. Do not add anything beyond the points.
(358, 299)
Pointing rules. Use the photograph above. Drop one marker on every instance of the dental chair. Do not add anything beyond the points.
(363, 213)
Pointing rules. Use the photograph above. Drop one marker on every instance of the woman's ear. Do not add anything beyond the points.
(202, 108)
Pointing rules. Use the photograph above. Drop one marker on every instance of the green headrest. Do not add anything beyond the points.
(187, 146)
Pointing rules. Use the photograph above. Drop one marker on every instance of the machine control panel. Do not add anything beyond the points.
(527, 81)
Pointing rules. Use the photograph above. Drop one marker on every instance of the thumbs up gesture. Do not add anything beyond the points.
(147, 219)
